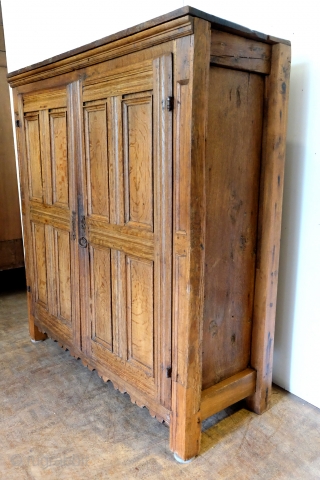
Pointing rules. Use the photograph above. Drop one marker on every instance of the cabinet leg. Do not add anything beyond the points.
(35, 334)
(185, 427)
(259, 402)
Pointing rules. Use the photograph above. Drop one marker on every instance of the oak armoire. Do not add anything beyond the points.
(151, 167)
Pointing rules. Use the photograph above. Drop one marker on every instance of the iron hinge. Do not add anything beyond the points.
(28, 289)
(169, 104)
(18, 124)
(169, 372)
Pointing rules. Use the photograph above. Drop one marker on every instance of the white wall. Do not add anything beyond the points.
(38, 29)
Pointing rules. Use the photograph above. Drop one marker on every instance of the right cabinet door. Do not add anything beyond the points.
(126, 220)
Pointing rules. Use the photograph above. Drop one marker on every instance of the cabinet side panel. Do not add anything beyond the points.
(232, 188)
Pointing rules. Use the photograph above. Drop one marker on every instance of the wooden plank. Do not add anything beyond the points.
(121, 81)
(163, 180)
(118, 240)
(226, 393)
(233, 151)
(55, 216)
(53, 98)
(239, 53)
(273, 159)
(185, 431)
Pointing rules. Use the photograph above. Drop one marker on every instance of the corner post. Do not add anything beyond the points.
(191, 76)
(271, 192)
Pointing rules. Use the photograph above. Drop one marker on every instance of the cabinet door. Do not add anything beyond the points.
(50, 197)
(128, 161)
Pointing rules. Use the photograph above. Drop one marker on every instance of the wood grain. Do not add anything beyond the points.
(59, 157)
(95, 117)
(100, 268)
(226, 393)
(239, 53)
(140, 314)
(137, 139)
(273, 159)
(232, 191)
(185, 432)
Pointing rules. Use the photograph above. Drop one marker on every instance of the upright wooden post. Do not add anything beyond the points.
(192, 74)
(274, 145)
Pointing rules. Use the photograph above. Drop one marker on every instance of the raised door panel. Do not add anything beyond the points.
(62, 256)
(40, 264)
(140, 313)
(95, 116)
(137, 136)
(100, 273)
(34, 161)
(59, 157)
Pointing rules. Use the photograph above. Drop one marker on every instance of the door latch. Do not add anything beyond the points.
(82, 224)
(82, 239)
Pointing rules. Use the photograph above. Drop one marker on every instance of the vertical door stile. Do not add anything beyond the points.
(75, 308)
(162, 132)
(47, 198)
(117, 218)
(81, 330)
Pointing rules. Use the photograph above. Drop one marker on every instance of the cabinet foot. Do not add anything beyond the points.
(182, 461)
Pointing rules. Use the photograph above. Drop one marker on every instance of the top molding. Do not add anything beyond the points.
(20, 76)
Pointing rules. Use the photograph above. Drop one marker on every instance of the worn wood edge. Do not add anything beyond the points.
(239, 53)
(36, 331)
(185, 431)
(226, 393)
(216, 22)
(156, 35)
(270, 211)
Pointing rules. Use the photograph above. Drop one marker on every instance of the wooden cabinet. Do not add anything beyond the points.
(11, 248)
(152, 172)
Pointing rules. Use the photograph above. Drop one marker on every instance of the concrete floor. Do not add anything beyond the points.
(60, 421)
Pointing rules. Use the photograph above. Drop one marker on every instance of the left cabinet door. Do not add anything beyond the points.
(50, 211)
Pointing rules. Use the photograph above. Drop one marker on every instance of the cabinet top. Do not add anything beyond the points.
(216, 22)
